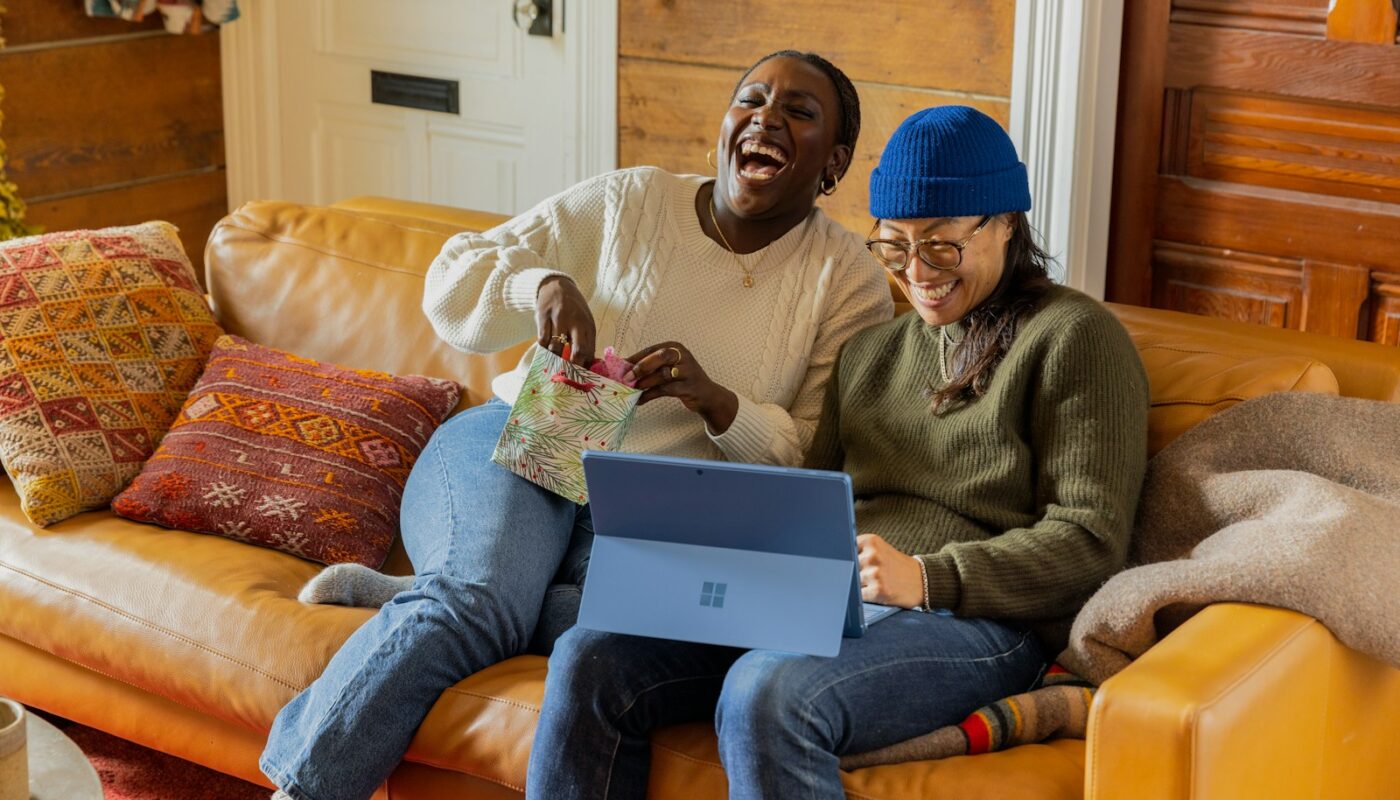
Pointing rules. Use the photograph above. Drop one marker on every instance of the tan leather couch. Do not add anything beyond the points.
(190, 644)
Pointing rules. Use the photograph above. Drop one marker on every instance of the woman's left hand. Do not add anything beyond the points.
(669, 369)
(888, 576)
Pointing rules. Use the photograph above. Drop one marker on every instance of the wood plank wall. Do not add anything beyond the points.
(112, 123)
(678, 62)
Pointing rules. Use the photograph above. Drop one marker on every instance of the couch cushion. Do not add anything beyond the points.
(339, 286)
(214, 625)
(291, 453)
(103, 334)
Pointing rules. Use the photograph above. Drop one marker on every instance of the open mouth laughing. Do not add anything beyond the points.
(760, 161)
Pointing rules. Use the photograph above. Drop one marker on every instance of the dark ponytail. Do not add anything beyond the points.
(993, 325)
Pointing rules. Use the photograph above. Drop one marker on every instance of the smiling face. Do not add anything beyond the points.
(942, 297)
(779, 140)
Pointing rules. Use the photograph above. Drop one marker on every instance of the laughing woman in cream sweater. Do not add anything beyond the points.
(731, 295)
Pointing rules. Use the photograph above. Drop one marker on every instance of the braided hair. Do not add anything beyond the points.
(849, 128)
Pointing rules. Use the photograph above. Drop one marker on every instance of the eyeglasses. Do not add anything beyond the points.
(893, 254)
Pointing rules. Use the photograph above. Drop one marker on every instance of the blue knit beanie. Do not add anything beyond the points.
(949, 161)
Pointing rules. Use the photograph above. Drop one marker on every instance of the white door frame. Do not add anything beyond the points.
(251, 94)
(1064, 105)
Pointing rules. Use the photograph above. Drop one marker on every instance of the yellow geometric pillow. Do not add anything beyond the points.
(102, 334)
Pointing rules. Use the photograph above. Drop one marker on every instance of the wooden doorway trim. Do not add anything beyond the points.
(1135, 157)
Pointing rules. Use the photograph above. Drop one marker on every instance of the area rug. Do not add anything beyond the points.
(132, 772)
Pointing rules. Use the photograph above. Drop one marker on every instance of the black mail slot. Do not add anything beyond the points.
(414, 91)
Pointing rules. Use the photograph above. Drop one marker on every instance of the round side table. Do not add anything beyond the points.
(58, 770)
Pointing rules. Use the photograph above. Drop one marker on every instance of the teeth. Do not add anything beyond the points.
(749, 147)
(936, 293)
(756, 176)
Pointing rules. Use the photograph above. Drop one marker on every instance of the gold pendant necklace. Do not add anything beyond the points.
(748, 275)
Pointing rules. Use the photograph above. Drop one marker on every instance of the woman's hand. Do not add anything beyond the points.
(562, 317)
(670, 370)
(888, 576)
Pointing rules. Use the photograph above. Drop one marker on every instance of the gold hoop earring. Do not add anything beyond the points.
(710, 159)
(821, 187)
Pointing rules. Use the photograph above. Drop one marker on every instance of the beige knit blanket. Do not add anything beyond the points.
(1288, 500)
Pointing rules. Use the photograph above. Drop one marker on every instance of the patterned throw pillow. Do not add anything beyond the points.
(289, 453)
(103, 332)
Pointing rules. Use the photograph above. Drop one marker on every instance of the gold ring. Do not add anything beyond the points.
(561, 338)
(678, 353)
(675, 373)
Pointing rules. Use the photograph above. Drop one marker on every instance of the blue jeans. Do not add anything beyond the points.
(783, 719)
(485, 545)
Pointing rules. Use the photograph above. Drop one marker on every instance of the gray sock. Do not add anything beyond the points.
(280, 795)
(353, 585)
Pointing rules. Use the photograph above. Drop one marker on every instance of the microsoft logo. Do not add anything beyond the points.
(712, 594)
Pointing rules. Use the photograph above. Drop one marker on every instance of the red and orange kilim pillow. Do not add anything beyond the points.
(104, 333)
(290, 453)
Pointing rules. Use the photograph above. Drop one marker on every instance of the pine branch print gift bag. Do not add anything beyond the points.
(563, 409)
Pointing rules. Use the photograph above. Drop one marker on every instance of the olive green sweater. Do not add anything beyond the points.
(1019, 502)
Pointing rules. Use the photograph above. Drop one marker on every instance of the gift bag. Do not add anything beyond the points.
(563, 409)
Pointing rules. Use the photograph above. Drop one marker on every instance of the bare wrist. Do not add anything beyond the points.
(548, 279)
(721, 412)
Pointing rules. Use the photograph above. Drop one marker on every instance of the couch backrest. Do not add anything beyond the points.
(338, 286)
(344, 284)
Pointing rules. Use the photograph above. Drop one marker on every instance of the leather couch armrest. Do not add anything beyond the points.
(1245, 701)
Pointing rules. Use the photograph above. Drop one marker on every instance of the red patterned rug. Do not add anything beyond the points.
(132, 772)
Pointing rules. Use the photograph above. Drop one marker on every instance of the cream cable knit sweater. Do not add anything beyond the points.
(632, 243)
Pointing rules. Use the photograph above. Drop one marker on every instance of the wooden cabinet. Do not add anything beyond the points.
(1257, 173)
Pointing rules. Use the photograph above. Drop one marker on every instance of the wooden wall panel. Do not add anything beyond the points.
(1294, 144)
(112, 125)
(958, 44)
(1278, 222)
(1219, 283)
(679, 61)
(1259, 155)
(1283, 65)
(193, 203)
(673, 113)
(109, 122)
(1302, 17)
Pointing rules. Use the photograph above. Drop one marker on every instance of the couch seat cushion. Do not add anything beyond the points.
(214, 624)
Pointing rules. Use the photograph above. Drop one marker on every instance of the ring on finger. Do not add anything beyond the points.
(675, 373)
(560, 338)
(677, 351)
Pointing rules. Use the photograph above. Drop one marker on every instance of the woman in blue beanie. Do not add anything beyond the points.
(996, 440)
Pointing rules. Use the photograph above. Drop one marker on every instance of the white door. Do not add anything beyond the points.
(516, 138)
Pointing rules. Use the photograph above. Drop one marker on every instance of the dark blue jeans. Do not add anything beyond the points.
(783, 720)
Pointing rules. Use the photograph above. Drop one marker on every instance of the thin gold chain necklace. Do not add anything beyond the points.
(748, 274)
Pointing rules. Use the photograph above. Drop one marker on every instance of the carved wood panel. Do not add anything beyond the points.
(1257, 170)
(1303, 17)
(1326, 148)
(1218, 283)
(1385, 309)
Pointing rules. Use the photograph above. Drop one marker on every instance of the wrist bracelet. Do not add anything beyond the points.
(923, 570)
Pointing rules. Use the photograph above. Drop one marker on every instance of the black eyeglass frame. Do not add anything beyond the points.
(917, 245)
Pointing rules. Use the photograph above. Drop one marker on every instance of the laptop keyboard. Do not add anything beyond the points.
(874, 611)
